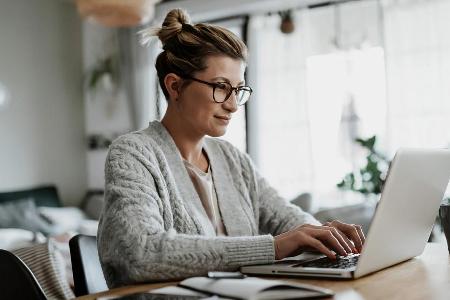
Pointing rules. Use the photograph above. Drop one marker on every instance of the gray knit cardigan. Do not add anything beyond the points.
(154, 227)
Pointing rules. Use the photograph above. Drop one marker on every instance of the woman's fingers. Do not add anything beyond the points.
(342, 239)
(354, 232)
(349, 243)
(326, 236)
(289, 243)
(361, 233)
(307, 240)
(336, 236)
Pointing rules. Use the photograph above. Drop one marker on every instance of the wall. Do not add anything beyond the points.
(42, 128)
(107, 111)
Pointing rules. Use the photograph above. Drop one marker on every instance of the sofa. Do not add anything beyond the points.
(36, 227)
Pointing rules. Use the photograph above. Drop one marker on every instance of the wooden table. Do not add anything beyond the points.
(424, 277)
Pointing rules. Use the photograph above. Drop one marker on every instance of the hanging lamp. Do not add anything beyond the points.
(117, 13)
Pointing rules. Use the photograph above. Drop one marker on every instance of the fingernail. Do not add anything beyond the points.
(355, 251)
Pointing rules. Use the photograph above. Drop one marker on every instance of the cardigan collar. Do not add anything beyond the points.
(227, 195)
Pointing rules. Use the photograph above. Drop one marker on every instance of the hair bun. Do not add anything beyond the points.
(176, 17)
(172, 25)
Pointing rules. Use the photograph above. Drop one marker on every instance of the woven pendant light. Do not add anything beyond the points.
(117, 13)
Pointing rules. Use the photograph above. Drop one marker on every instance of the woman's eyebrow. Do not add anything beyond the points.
(226, 80)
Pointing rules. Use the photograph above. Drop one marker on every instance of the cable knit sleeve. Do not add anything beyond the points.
(137, 241)
(276, 214)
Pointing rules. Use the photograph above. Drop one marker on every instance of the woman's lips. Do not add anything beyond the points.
(224, 119)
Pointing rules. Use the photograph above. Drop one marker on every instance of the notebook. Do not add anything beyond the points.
(253, 288)
(400, 228)
(250, 288)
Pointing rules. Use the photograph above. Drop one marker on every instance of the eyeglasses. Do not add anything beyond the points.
(222, 91)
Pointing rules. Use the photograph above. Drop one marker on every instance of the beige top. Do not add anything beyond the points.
(204, 185)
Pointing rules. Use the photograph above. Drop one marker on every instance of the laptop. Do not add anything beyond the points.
(414, 188)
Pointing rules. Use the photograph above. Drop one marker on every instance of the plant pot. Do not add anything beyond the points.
(444, 216)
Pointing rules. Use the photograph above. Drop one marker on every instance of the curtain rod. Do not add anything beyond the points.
(204, 10)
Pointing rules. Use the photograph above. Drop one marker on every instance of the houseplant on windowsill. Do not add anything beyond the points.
(369, 179)
(444, 218)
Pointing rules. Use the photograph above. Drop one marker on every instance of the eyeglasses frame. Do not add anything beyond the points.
(215, 84)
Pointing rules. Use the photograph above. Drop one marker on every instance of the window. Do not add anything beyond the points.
(316, 90)
(348, 70)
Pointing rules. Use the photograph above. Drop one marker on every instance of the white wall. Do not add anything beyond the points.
(42, 129)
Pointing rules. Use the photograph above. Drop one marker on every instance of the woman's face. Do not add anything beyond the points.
(195, 104)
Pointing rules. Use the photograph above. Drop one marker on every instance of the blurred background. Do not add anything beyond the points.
(74, 76)
(338, 87)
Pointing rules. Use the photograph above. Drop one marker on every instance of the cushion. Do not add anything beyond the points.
(14, 238)
(93, 204)
(47, 265)
(304, 201)
(353, 214)
(23, 214)
(64, 219)
(88, 227)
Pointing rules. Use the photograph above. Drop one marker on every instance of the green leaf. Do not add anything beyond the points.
(103, 67)
(371, 173)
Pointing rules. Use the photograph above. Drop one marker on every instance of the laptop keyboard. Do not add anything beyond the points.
(341, 262)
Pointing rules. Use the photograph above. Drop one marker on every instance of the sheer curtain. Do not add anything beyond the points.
(278, 120)
(316, 90)
(350, 70)
(138, 75)
(418, 72)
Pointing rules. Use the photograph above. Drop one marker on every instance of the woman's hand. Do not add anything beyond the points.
(332, 236)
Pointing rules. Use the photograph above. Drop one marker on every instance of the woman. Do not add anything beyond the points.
(178, 203)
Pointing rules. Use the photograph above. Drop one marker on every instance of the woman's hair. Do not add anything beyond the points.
(186, 46)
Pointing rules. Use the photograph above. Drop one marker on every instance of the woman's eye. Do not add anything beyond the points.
(221, 86)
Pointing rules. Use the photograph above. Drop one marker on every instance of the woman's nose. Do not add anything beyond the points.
(231, 103)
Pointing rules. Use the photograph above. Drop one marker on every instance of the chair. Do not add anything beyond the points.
(87, 272)
(16, 280)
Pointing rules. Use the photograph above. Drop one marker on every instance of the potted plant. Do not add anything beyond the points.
(106, 70)
(369, 179)
(444, 218)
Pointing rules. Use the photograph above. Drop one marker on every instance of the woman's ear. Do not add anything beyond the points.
(173, 84)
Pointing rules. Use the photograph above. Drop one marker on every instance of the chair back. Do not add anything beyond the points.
(16, 279)
(87, 272)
